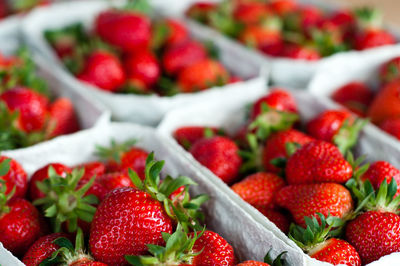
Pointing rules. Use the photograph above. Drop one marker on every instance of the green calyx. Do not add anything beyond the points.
(252, 157)
(347, 135)
(161, 31)
(4, 168)
(185, 211)
(22, 5)
(177, 250)
(64, 202)
(327, 42)
(271, 120)
(116, 150)
(315, 232)
(222, 19)
(166, 86)
(368, 18)
(278, 261)
(139, 6)
(67, 254)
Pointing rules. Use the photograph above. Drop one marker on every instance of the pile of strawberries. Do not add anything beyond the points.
(28, 114)
(119, 204)
(337, 208)
(17, 6)
(382, 107)
(128, 52)
(285, 28)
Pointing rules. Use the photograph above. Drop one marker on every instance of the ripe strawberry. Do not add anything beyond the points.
(303, 18)
(342, 18)
(373, 38)
(200, 11)
(63, 119)
(275, 216)
(252, 263)
(317, 162)
(41, 249)
(16, 177)
(251, 12)
(282, 7)
(314, 240)
(336, 126)
(177, 57)
(390, 70)
(355, 96)
(187, 136)
(177, 32)
(31, 105)
(379, 171)
(42, 174)
(202, 75)
(219, 155)
(94, 168)
(275, 147)
(143, 66)
(391, 126)
(259, 188)
(103, 70)
(268, 260)
(386, 103)
(127, 30)
(111, 181)
(307, 199)
(295, 51)
(267, 40)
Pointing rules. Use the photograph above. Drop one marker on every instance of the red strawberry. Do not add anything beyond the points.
(42, 174)
(143, 66)
(103, 70)
(295, 51)
(94, 168)
(31, 105)
(391, 126)
(282, 7)
(187, 136)
(336, 126)
(182, 55)
(379, 171)
(336, 251)
(317, 162)
(63, 119)
(275, 216)
(342, 18)
(16, 177)
(41, 249)
(267, 40)
(252, 263)
(202, 75)
(200, 11)
(268, 260)
(127, 30)
(115, 180)
(251, 12)
(303, 18)
(259, 188)
(390, 70)
(355, 96)
(220, 155)
(275, 147)
(307, 199)
(177, 32)
(373, 38)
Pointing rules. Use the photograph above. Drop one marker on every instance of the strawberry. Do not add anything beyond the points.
(386, 103)
(303, 19)
(15, 178)
(202, 75)
(336, 126)
(373, 38)
(317, 162)
(268, 260)
(63, 119)
(42, 174)
(41, 249)
(342, 18)
(219, 155)
(179, 56)
(187, 136)
(390, 70)
(391, 126)
(103, 70)
(295, 51)
(275, 148)
(355, 96)
(32, 107)
(259, 188)
(267, 40)
(379, 171)
(170, 32)
(314, 240)
(127, 30)
(200, 11)
(282, 7)
(251, 12)
(307, 199)
(275, 216)
(115, 180)
(143, 66)
(94, 168)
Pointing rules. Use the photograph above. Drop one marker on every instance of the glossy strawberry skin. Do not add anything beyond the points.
(220, 155)
(266, 40)
(177, 32)
(373, 38)
(355, 96)
(282, 7)
(374, 234)
(31, 105)
(278, 99)
(41, 249)
(16, 177)
(300, 52)
(275, 146)
(277, 217)
(127, 30)
(317, 162)
(259, 188)
(143, 66)
(337, 252)
(252, 263)
(308, 199)
(216, 251)
(390, 70)
(391, 126)
(251, 12)
(379, 171)
(124, 223)
(20, 227)
(63, 118)
(179, 56)
(111, 181)
(134, 159)
(94, 168)
(187, 136)
(103, 70)
(42, 174)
